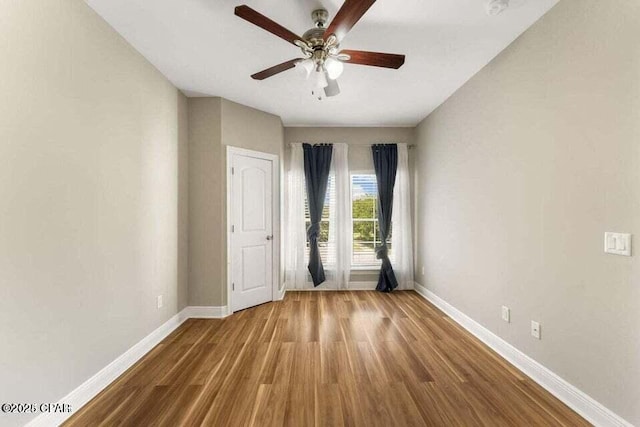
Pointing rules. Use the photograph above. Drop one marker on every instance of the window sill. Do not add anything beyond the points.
(357, 269)
(366, 269)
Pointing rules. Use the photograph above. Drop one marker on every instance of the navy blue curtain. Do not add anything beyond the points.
(317, 163)
(385, 162)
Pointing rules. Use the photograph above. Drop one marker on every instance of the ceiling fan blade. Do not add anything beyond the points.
(275, 69)
(256, 18)
(332, 88)
(375, 59)
(348, 15)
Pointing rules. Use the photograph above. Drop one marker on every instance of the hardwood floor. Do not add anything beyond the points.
(325, 358)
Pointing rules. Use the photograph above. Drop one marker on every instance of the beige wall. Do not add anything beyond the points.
(215, 123)
(92, 202)
(358, 138)
(519, 175)
(183, 202)
(206, 204)
(245, 127)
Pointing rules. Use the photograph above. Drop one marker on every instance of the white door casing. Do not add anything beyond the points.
(251, 241)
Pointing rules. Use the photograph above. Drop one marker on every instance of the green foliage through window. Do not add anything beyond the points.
(366, 233)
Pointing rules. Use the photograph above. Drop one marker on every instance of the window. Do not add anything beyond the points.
(366, 233)
(327, 248)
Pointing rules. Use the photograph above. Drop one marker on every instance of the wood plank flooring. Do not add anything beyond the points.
(325, 359)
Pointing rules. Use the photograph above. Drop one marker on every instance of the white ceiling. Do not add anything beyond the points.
(205, 50)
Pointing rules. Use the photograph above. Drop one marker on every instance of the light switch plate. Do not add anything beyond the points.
(159, 301)
(617, 243)
(506, 314)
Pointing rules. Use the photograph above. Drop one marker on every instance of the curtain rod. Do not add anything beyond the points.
(357, 145)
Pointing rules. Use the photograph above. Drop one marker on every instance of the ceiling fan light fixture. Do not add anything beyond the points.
(320, 80)
(305, 67)
(334, 68)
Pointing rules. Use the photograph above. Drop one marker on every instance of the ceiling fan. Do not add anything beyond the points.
(323, 60)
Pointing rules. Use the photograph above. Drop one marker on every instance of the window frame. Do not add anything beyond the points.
(353, 267)
(362, 267)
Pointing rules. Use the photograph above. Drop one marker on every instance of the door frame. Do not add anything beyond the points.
(275, 218)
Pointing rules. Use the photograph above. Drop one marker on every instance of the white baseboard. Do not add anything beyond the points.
(94, 385)
(281, 293)
(586, 406)
(362, 286)
(353, 286)
(206, 312)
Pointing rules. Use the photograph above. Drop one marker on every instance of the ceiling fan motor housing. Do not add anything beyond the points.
(315, 36)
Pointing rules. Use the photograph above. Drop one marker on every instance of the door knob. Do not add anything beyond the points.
(269, 237)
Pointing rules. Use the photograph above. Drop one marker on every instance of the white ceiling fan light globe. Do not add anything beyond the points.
(300, 70)
(334, 68)
(320, 80)
(305, 67)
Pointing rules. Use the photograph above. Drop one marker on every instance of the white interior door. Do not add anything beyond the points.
(252, 231)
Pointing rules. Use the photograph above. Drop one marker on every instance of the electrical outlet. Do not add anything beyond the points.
(159, 301)
(506, 314)
(535, 329)
(423, 270)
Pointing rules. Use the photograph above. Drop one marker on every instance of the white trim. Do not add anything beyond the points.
(592, 410)
(252, 153)
(94, 385)
(229, 225)
(281, 293)
(373, 269)
(353, 286)
(362, 286)
(275, 218)
(212, 312)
